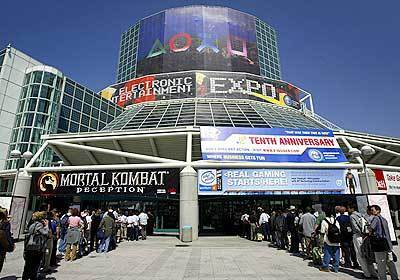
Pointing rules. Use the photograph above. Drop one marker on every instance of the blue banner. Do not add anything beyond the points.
(270, 145)
(277, 181)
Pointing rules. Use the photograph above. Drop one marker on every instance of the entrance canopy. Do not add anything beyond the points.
(180, 147)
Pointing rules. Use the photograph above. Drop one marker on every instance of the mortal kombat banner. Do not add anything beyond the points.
(207, 84)
(134, 182)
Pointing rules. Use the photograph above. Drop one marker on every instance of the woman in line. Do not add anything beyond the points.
(73, 235)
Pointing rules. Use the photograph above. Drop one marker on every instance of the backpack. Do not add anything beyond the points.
(333, 232)
(35, 241)
(345, 230)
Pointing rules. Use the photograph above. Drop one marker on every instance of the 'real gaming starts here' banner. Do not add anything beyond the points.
(277, 181)
(206, 84)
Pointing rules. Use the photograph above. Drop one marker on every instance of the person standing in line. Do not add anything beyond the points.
(379, 227)
(307, 223)
(135, 219)
(150, 223)
(330, 228)
(253, 225)
(280, 224)
(358, 226)
(272, 227)
(35, 245)
(6, 239)
(55, 229)
(143, 218)
(245, 225)
(63, 232)
(263, 222)
(107, 224)
(73, 235)
(94, 227)
(123, 221)
(346, 239)
(292, 222)
(129, 226)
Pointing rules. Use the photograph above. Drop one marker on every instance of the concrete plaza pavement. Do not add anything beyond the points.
(167, 258)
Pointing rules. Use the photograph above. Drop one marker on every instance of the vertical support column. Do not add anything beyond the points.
(188, 202)
(22, 189)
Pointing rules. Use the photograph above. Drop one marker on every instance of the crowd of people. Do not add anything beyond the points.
(53, 235)
(330, 237)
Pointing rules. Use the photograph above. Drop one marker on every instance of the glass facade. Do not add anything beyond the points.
(210, 112)
(51, 103)
(198, 38)
(82, 110)
(128, 53)
(268, 54)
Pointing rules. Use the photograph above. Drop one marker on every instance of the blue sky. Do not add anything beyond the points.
(346, 53)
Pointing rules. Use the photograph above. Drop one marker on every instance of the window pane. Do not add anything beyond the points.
(37, 76)
(43, 106)
(67, 100)
(28, 119)
(32, 104)
(48, 78)
(34, 91)
(65, 112)
(45, 92)
(69, 89)
(77, 104)
(40, 120)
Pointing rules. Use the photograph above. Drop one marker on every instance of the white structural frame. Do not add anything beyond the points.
(79, 141)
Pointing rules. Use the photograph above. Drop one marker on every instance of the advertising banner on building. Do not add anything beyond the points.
(213, 38)
(388, 181)
(206, 84)
(277, 181)
(270, 145)
(116, 182)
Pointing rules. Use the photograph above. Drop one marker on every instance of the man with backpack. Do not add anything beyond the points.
(35, 245)
(330, 228)
(359, 227)
(346, 239)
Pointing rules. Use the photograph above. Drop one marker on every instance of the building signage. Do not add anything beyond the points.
(277, 181)
(206, 84)
(135, 182)
(388, 181)
(191, 38)
(270, 145)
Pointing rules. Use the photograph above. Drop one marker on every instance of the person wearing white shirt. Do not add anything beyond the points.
(132, 226)
(263, 222)
(143, 218)
(331, 247)
(123, 220)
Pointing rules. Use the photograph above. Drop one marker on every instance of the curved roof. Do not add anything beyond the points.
(209, 112)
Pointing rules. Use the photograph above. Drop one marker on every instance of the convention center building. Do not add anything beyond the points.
(198, 127)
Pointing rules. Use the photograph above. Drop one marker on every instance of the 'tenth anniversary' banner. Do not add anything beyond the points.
(135, 182)
(270, 145)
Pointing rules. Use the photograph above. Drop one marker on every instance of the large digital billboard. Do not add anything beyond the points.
(270, 145)
(197, 38)
(276, 181)
(207, 84)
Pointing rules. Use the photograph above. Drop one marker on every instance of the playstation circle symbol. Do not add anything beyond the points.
(315, 155)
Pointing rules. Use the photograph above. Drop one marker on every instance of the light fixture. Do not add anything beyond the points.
(15, 154)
